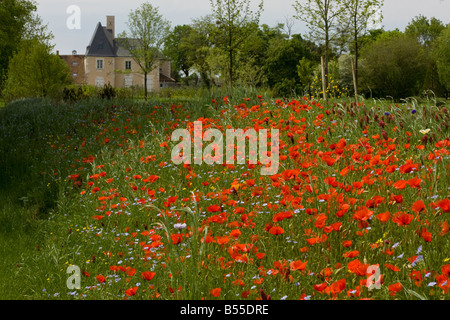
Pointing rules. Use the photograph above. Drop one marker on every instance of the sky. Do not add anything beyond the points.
(70, 35)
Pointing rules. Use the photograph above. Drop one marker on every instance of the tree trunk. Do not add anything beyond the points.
(355, 80)
(325, 65)
(324, 81)
(355, 65)
(145, 86)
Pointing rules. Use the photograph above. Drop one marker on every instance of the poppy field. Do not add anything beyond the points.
(359, 207)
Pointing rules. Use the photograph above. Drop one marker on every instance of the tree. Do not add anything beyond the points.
(357, 17)
(440, 54)
(176, 48)
(280, 67)
(14, 17)
(235, 23)
(393, 66)
(425, 30)
(305, 70)
(148, 31)
(322, 17)
(35, 72)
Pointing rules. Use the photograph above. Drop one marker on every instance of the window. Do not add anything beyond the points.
(128, 80)
(127, 65)
(100, 45)
(100, 64)
(75, 63)
(99, 82)
(75, 74)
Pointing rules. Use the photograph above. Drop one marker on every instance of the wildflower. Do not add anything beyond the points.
(180, 225)
(215, 292)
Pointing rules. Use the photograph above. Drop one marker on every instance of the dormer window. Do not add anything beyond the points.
(100, 45)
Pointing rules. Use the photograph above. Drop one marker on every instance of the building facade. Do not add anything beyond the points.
(107, 62)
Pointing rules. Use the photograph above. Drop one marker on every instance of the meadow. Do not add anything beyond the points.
(359, 208)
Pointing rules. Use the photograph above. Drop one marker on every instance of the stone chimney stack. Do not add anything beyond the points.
(110, 25)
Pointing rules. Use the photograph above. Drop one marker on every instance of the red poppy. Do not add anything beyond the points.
(213, 208)
(215, 292)
(177, 238)
(403, 219)
(148, 275)
(383, 217)
(276, 230)
(298, 265)
(401, 184)
(392, 267)
(131, 291)
(444, 205)
(100, 278)
(395, 288)
(338, 286)
(320, 287)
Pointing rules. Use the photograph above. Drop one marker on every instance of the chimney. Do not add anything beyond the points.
(110, 24)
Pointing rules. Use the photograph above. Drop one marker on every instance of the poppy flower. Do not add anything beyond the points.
(100, 278)
(298, 265)
(392, 267)
(383, 217)
(338, 286)
(403, 219)
(276, 230)
(148, 275)
(350, 254)
(320, 287)
(395, 288)
(131, 291)
(401, 184)
(215, 292)
(177, 238)
(213, 208)
(444, 205)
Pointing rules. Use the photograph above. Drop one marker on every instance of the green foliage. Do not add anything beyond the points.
(35, 72)
(235, 22)
(394, 65)
(440, 54)
(283, 56)
(177, 49)
(148, 31)
(425, 30)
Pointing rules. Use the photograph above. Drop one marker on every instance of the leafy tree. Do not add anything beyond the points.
(425, 30)
(148, 31)
(235, 23)
(280, 67)
(305, 71)
(440, 54)
(322, 18)
(393, 66)
(176, 47)
(35, 72)
(197, 46)
(15, 16)
(357, 18)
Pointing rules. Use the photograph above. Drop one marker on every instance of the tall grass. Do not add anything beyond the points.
(76, 190)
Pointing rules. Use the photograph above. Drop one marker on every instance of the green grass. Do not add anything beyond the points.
(73, 191)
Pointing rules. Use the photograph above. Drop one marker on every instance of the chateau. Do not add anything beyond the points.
(107, 62)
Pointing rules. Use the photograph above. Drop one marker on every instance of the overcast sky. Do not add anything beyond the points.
(397, 14)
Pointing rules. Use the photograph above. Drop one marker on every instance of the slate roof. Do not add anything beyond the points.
(103, 44)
